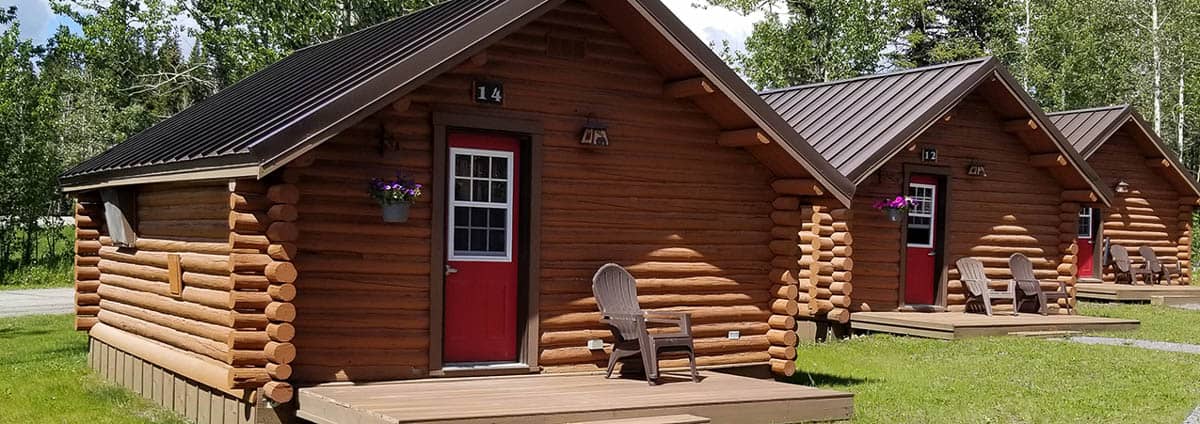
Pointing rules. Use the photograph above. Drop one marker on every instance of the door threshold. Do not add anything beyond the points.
(472, 369)
(921, 308)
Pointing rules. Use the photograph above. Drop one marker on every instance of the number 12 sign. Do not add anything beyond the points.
(488, 92)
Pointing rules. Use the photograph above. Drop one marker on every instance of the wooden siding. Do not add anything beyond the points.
(1015, 208)
(690, 219)
(1153, 213)
(193, 331)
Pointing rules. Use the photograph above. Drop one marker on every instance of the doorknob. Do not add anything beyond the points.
(450, 269)
(932, 253)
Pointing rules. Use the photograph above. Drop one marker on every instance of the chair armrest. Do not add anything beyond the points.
(681, 319)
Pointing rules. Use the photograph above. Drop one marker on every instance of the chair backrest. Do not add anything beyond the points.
(1151, 258)
(1120, 258)
(1021, 267)
(970, 272)
(616, 292)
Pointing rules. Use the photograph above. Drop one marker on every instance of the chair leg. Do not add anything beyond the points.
(692, 364)
(612, 362)
(987, 304)
(1043, 308)
(650, 363)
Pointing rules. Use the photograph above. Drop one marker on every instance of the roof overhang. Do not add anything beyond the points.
(198, 170)
(1183, 179)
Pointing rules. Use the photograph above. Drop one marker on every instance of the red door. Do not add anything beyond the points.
(481, 250)
(1086, 242)
(920, 287)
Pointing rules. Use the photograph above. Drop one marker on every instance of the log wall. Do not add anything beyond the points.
(89, 222)
(1015, 208)
(1152, 213)
(690, 219)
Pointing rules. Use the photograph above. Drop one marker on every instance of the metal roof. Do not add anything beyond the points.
(856, 122)
(1088, 129)
(278, 113)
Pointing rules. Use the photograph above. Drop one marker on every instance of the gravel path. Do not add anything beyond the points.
(1190, 307)
(1194, 418)
(36, 302)
(1144, 344)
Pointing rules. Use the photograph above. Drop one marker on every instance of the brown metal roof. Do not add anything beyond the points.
(859, 124)
(1089, 129)
(274, 115)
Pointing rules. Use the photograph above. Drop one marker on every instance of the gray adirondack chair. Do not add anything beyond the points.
(1158, 271)
(978, 289)
(1029, 289)
(616, 293)
(1122, 267)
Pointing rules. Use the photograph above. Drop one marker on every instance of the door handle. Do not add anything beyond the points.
(450, 270)
(932, 253)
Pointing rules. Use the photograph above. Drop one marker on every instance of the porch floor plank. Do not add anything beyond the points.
(723, 398)
(1131, 293)
(958, 325)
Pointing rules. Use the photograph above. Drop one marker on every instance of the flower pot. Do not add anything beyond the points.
(395, 212)
(894, 215)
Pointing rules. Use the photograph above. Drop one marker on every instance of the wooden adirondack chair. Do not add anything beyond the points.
(1158, 271)
(616, 293)
(976, 283)
(1030, 289)
(1122, 267)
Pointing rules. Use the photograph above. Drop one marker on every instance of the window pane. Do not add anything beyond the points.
(479, 217)
(481, 166)
(460, 238)
(496, 241)
(462, 189)
(497, 218)
(462, 217)
(499, 192)
(500, 168)
(918, 236)
(462, 165)
(478, 240)
(480, 189)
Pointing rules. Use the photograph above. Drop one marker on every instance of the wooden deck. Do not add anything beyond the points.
(958, 325)
(1131, 293)
(722, 398)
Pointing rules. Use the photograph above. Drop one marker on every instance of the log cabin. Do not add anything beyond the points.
(232, 250)
(991, 174)
(1155, 195)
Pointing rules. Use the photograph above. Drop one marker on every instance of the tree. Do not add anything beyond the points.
(939, 31)
(804, 41)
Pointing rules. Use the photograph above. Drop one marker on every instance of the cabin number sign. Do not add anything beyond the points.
(488, 92)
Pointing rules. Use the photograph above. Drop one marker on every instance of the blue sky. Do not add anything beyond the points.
(713, 25)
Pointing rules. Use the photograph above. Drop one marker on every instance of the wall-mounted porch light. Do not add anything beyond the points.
(595, 133)
(976, 169)
(1122, 187)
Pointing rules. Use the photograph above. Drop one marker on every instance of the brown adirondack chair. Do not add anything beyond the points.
(1122, 267)
(1030, 289)
(1158, 271)
(976, 283)
(616, 293)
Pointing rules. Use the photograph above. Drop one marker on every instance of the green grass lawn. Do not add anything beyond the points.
(1162, 323)
(1002, 380)
(44, 378)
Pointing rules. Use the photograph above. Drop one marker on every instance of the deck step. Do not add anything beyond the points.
(1168, 300)
(1045, 334)
(661, 419)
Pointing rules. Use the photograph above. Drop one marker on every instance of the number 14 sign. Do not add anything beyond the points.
(488, 92)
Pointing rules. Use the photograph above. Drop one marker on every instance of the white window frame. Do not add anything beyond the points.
(932, 215)
(451, 254)
(1086, 214)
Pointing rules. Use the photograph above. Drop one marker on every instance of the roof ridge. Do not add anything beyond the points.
(1091, 109)
(879, 75)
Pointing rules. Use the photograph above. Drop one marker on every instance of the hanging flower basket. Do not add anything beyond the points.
(895, 208)
(394, 197)
(396, 212)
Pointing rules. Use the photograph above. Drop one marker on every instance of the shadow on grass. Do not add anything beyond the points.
(817, 379)
(18, 331)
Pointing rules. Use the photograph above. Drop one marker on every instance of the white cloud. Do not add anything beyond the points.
(37, 20)
(715, 25)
